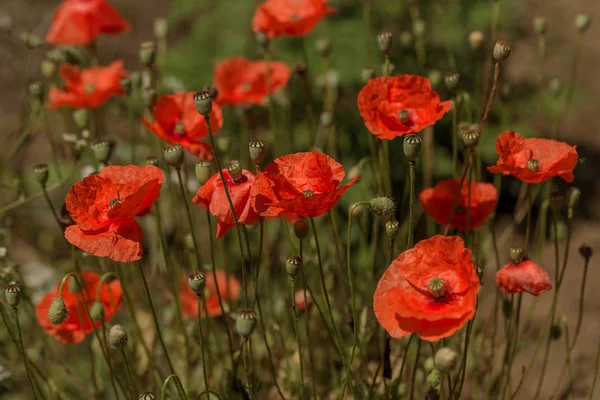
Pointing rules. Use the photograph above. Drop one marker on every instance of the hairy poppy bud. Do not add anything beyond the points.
(147, 53)
(384, 39)
(117, 337)
(583, 22)
(412, 146)
(13, 294)
(203, 103)
(57, 312)
(102, 150)
(301, 228)
(256, 149)
(476, 40)
(235, 170)
(292, 264)
(152, 160)
(382, 206)
(434, 378)
(97, 311)
(392, 228)
(445, 359)
(323, 46)
(197, 282)
(245, 323)
(540, 25)
(161, 28)
(586, 251)
(367, 74)
(501, 51)
(516, 254)
(556, 201)
(41, 173)
(533, 165)
(147, 396)
(202, 171)
(173, 155)
(451, 80)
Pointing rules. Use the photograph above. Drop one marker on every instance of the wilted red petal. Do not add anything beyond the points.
(229, 288)
(289, 17)
(525, 276)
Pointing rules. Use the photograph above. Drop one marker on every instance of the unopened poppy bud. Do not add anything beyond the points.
(392, 228)
(406, 39)
(97, 311)
(47, 68)
(57, 312)
(147, 396)
(102, 150)
(382, 206)
(533, 165)
(501, 50)
(161, 28)
(434, 378)
(445, 359)
(147, 53)
(173, 155)
(573, 194)
(451, 80)
(323, 46)
(419, 28)
(470, 139)
(555, 331)
(197, 282)
(202, 171)
(412, 146)
(435, 77)
(586, 251)
(429, 364)
(301, 228)
(384, 39)
(148, 96)
(152, 160)
(203, 103)
(367, 74)
(213, 92)
(117, 337)
(583, 22)
(262, 38)
(556, 201)
(436, 287)
(516, 254)
(540, 25)
(12, 292)
(476, 40)
(245, 323)
(41, 173)
(256, 149)
(235, 170)
(292, 264)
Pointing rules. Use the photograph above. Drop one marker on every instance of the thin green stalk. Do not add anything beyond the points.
(51, 206)
(308, 109)
(455, 201)
(386, 167)
(581, 303)
(454, 138)
(189, 217)
(129, 375)
(411, 203)
(269, 99)
(405, 355)
(307, 328)
(245, 355)
(297, 332)
(132, 127)
(463, 364)
(414, 371)
(595, 378)
(110, 368)
(201, 342)
(488, 60)
(22, 351)
(52, 144)
(528, 226)
(180, 390)
(572, 81)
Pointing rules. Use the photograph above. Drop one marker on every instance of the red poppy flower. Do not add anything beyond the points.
(78, 325)
(103, 206)
(301, 184)
(430, 290)
(438, 201)
(88, 88)
(289, 17)
(212, 197)
(229, 288)
(176, 120)
(550, 158)
(242, 81)
(525, 276)
(382, 99)
(80, 22)
(301, 306)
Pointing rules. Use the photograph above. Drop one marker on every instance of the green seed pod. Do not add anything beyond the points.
(392, 228)
(516, 254)
(292, 264)
(583, 22)
(437, 288)
(203, 103)
(412, 146)
(161, 28)
(501, 51)
(382, 206)
(235, 170)
(245, 323)
(57, 312)
(533, 165)
(173, 155)
(403, 116)
(36, 90)
(47, 68)
(406, 39)
(323, 46)
(445, 359)
(451, 80)
(435, 77)
(301, 228)
(256, 149)
(470, 139)
(147, 53)
(41, 173)
(262, 39)
(102, 150)
(387, 69)
(117, 337)
(540, 25)
(202, 171)
(384, 39)
(197, 282)
(152, 160)
(97, 311)
(13, 294)
(136, 79)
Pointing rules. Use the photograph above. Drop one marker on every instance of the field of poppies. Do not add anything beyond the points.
(294, 199)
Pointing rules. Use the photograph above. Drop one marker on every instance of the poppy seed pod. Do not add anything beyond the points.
(586, 251)
(97, 311)
(501, 50)
(256, 150)
(147, 53)
(41, 173)
(36, 90)
(102, 150)
(436, 287)
(57, 312)
(367, 74)
(203, 103)
(434, 378)
(412, 146)
(476, 40)
(583, 22)
(80, 117)
(540, 25)
(235, 170)
(323, 46)
(292, 264)
(173, 155)
(516, 254)
(202, 171)
(197, 282)
(445, 359)
(117, 337)
(470, 139)
(152, 160)
(382, 206)
(161, 28)
(301, 228)
(12, 292)
(392, 228)
(451, 80)
(147, 396)
(556, 201)
(533, 165)
(245, 323)
(384, 39)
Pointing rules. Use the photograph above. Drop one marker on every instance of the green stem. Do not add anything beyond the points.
(245, 353)
(180, 390)
(454, 138)
(189, 217)
(596, 368)
(411, 204)
(201, 342)
(572, 81)
(581, 303)
(51, 206)
(528, 226)
(457, 195)
(297, 332)
(307, 329)
(22, 351)
(414, 371)
(110, 368)
(129, 375)
(463, 364)
(52, 145)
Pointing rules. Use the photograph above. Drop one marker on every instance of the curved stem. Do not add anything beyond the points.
(22, 351)
(201, 342)
(463, 364)
(414, 371)
(178, 384)
(490, 98)
(297, 332)
(129, 375)
(581, 303)
(54, 213)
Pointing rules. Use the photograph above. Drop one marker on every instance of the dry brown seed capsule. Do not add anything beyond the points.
(173, 155)
(501, 51)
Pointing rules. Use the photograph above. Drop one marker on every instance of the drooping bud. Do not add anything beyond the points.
(173, 155)
(152, 160)
(533, 165)
(445, 359)
(323, 46)
(437, 288)
(392, 228)
(292, 264)
(245, 323)
(161, 28)
(12, 293)
(501, 51)
(301, 228)
(586, 251)
(235, 170)
(97, 311)
(451, 80)
(382, 206)
(203, 103)
(117, 337)
(476, 40)
(412, 146)
(147, 53)
(384, 39)
(102, 150)
(197, 282)
(57, 312)
(367, 74)
(256, 149)
(41, 173)
(516, 254)
(540, 25)
(202, 171)
(583, 22)
(556, 201)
